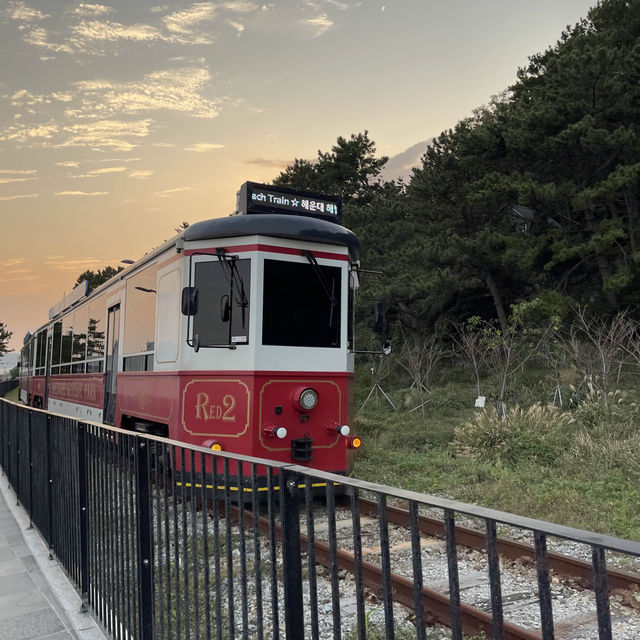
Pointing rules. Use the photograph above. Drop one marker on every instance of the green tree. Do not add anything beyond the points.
(350, 170)
(5, 336)
(96, 278)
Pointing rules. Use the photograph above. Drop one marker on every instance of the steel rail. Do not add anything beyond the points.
(511, 549)
(435, 605)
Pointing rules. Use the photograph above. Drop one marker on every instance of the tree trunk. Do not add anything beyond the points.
(603, 265)
(497, 301)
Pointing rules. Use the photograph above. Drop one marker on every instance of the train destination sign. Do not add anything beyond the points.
(263, 198)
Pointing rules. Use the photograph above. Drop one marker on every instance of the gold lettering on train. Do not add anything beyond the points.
(205, 410)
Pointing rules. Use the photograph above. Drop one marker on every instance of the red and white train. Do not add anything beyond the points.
(235, 335)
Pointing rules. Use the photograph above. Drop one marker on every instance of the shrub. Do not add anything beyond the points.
(532, 434)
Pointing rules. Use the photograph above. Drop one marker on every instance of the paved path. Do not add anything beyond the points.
(36, 599)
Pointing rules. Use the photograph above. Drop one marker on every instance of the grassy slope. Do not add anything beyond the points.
(418, 452)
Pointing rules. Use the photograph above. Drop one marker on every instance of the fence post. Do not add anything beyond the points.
(143, 503)
(292, 561)
(49, 490)
(30, 413)
(84, 516)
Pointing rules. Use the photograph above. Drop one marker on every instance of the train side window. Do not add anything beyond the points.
(67, 339)
(80, 333)
(95, 333)
(140, 312)
(56, 348)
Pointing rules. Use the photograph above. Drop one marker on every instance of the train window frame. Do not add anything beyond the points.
(310, 273)
(236, 282)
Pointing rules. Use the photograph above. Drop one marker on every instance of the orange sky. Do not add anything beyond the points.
(119, 121)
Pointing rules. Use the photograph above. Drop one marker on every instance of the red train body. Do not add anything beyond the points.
(234, 335)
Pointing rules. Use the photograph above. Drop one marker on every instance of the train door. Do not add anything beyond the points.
(111, 365)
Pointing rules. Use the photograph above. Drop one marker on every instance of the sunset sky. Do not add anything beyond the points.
(119, 121)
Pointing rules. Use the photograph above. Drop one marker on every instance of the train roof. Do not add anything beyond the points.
(277, 226)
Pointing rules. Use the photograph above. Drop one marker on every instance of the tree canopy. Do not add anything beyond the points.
(96, 278)
(5, 336)
(534, 196)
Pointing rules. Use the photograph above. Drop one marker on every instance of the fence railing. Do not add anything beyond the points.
(6, 386)
(169, 541)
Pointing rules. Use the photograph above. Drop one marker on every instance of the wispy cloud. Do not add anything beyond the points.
(203, 147)
(10, 180)
(62, 263)
(20, 11)
(268, 162)
(319, 25)
(169, 192)
(91, 10)
(141, 174)
(68, 163)
(20, 196)
(181, 24)
(81, 193)
(21, 172)
(171, 89)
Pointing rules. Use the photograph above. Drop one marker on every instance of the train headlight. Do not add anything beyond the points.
(342, 430)
(308, 399)
(277, 432)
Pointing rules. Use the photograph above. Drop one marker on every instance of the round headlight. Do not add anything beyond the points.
(308, 399)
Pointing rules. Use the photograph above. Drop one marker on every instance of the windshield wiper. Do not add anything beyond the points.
(323, 281)
(236, 283)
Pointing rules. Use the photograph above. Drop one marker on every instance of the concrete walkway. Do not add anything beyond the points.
(37, 601)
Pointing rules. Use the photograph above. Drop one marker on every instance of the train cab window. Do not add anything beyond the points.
(223, 307)
(301, 304)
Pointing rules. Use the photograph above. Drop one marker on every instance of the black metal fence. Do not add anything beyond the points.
(175, 542)
(6, 386)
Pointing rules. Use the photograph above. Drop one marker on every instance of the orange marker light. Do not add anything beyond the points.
(354, 443)
(216, 446)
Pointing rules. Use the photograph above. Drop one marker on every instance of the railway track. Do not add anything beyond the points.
(434, 604)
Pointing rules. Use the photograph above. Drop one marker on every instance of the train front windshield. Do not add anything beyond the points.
(302, 304)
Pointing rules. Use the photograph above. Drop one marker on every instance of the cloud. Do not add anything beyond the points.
(91, 10)
(19, 171)
(119, 160)
(319, 25)
(96, 173)
(170, 89)
(61, 263)
(68, 163)
(268, 162)
(20, 196)
(163, 145)
(9, 180)
(181, 24)
(20, 11)
(11, 262)
(141, 174)
(240, 6)
(89, 31)
(237, 26)
(38, 37)
(203, 147)
(105, 134)
(169, 192)
(81, 193)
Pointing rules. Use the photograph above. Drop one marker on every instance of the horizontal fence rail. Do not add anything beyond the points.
(174, 542)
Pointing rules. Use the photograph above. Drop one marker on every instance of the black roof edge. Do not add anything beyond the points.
(277, 226)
